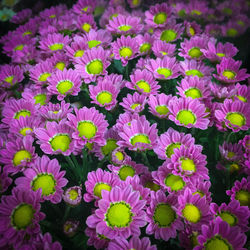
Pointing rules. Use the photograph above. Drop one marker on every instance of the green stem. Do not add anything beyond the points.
(74, 160)
(66, 213)
(70, 162)
(145, 158)
(229, 135)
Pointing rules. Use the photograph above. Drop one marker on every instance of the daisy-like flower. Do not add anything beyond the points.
(165, 68)
(104, 94)
(193, 87)
(134, 103)
(21, 16)
(119, 156)
(197, 9)
(161, 49)
(97, 181)
(234, 214)
(232, 29)
(134, 3)
(162, 218)
(202, 188)
(245, 142)
(63, 83)
(73, 196)
(220, 92)
(192, 28)
(195, 68)
(231, 152)
(59, 60)
(194, 209)
(234, 115)
(241, 191)
(243, 93)
(97, 240)
(20, 216)
(158, 104)
(125, 49)
(56, 138)
(218, 234)
(134, 243)
(86, 22)
(138, 136)
(171, 140)
(158, 15)
(92, 64)
(70, 227)
(120, 213)
(125, 25)
(10, 75)
(144, 82)
(126, 118)
(188, 238)
(44, 174)
(145, 43)
(84, 6)
(215, 53)
(89, 126)
(228, 71)
(189, 113)
(28, 29)
(53, 12)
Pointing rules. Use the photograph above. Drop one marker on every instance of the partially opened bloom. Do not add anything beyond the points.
(85, 23)
(53, 12)
(95, 239)
(84, 6)
(161, 49)
(189, 113)
(230, 151)
(59, 60)
(243, 93)
(45, 175)
(145, 43)
(125, 118)
(120, 213)
(21, 16)
(73, 196)
(134, 103)
(192, 28)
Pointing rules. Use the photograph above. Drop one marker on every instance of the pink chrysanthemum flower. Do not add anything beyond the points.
(56, 138)
(195, 68)
(125, 118)
(220, 92)
(243, 93)
(5, 181)
(20, 216)
(218, 234)
(162, 217)
(84, 6)
(232, 29)
(189, 113)
(147, 181)
(59, 60)
(158, 15)
(197, 9)
(95, 239)
(134, 103)
(125, 49)
(89, 126)
(92, 64)
(202, 188)
(120, 213)
(97, 181)
(158, 104)
(104, 94)
(134, 3)
(213, 29)
(234, 214)
(10, 75)
(193, 87)
(231, 152)
(145, 43)
(192, 28)
(245, 142)
(241, 191)
(114, 79)
(194, 209)
(85, 23)
(144, 82)
(63, 83)
(73, 196)
(188, 238)
(125, 25)
(21, 16)
(161, 49)
(171, 140)
(28, 29)
(53, 12)
(215, 53)
(138, 136)
(233, 115)
(165, 68)
(70, 227)
(119, 156)
(44, 174)
(134, 243)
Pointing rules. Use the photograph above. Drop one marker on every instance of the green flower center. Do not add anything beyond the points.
(145, 47)
(60, 141)
(21, 155)
(145, 86)
(243, 196)
(64, 86)
(95, 67)
(151, 185)
(229, 74)
(22, 216)
(164, 71)
(230, 154)
(126, 52)
(194, 72)
(168, 35)
(85, 8)
(162, 109)
(119, 215)
(188, 165)
(27, 33)
(217, 243)
(196, 12)
(220, 54)
(186, 117)
(191, 213)
(19, 47)
(52, 16)
(175, 182)
(227, 11)
(135, 105)
(160, 18)
(43, 77)
(93, 43)
(86, 27)
(109, 147)
(191, 31)
(46, 182)
(229, 218)
(73, 194)
(23, 113)
(23, 131)
(60, 66)
(201, 194)
(104, 97)
(99, 187)
(193, 92)
(79, 53)
(170, 149)
(125, 171)
(119, 156)
(195, 52)
(112, 16)
(40, 98)
(142, 138)
(124, 27)
(56, 46)
(241, 98)
(164, 215)
(236, 119)
(86, 129)
(232, 32)
(9, 79)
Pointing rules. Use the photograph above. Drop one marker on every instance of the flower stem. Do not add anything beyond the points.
(145, 158)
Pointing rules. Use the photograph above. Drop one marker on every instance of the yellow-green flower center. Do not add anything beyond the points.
(124, 27)
(229, 74)
(232, 32)
(27, 33)
(142, 138)
(9, 79)
(23, 113)
(112, 16)
(86, 27)
(191, 213)
(220, 54)
(43, 77)
(60, 66)
(186, 117)
(188, 165)
(93, 43)
(46, 182)
(95, 67)
(194, 72)
(162, 109)
(243, 196)
(99, 187)
(109, 147)
(21, 155)
(22, 216)
(23, 131)
(126, 52)
(104, 97)
(168, 35)
(175, 182)
(135, 105)
(119, 156)
(64, 86)
(236, 119)
(85, 8)
(191, 31)
(73, 194)
(230, 154)
(241, 98)
(145, 86)
(60, 141)
(196, 12)
(19, 47)
(56, 46)
(86, 129)
(170, 149)
(201, 194)
(217, 243)
(79, 53)
(151, 185)
(160, 18)
(193, 92)
(40, 98)
(145, 47)
(195, 52)
(164, 71)
(229, 218)
(164, 215)
(125, 171)
(52, 16)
